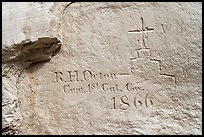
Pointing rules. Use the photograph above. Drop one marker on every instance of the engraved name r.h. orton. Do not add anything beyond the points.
(86, 75)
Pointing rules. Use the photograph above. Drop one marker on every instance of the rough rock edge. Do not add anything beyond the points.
(29, 52)
(19, 57)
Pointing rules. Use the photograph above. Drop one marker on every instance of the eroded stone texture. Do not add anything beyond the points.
(17, 59)
(123, 68)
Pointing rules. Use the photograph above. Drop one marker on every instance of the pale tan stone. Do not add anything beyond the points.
(102, 68)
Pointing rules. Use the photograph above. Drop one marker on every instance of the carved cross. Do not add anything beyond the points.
(142, 31)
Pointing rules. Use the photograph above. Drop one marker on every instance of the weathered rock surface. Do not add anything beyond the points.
(102, 68)
(16, 59)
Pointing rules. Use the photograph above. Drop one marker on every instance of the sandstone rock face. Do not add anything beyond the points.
(102, 68)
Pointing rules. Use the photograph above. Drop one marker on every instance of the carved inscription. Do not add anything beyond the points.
(125, 103)
(87, 81)
(67, 88)
(86, 75)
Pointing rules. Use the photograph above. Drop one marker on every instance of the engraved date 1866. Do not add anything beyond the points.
(137, 103)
